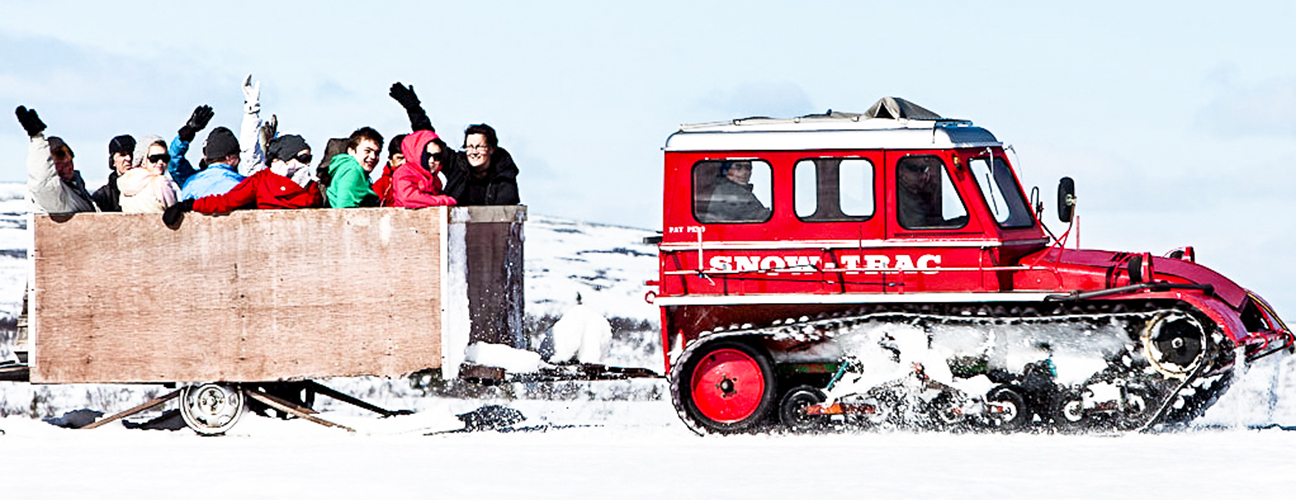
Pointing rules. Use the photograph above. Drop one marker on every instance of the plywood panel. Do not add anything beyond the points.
(256, 295)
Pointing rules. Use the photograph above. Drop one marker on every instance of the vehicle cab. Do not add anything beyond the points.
(896, 204)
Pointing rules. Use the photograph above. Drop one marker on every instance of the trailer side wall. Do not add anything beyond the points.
(256, 295)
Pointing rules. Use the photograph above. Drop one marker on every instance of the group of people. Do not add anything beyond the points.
(263, 169)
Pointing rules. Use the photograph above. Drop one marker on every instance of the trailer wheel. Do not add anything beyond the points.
(211, 409)
(793, 405)
(724, 387)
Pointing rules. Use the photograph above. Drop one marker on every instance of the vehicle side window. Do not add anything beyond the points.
(732, 191)
(925, 196)
(833, 189)
(1001, 193)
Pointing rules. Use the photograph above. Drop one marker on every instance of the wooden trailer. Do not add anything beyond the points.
(225, 306)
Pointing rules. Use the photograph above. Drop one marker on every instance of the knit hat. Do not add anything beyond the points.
(141, 149)
(285, 147)
(395, 146)
(220, 143)
(121, 144)
(56, 142)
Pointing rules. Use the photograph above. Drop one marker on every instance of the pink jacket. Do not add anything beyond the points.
(415, 186)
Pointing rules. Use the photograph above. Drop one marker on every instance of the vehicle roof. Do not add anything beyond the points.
(903, 126)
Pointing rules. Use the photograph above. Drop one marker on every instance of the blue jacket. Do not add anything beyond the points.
(179, 166)
(217, 178)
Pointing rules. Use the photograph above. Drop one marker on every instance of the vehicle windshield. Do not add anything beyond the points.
(1002, 195)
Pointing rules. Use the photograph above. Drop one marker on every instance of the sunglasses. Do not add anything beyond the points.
(159, 158)
(305, 159)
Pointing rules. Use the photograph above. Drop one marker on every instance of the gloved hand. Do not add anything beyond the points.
(175, 213)
(198, 121)
(268, 130)
(251, 95)
(30, 122)
(404, 95)
(410, 101)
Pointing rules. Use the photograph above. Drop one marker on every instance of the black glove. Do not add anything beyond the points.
(30, 122)
(404, 95)
(175, 213)
(197, 121)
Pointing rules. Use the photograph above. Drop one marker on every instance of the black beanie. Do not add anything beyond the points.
(121, 144)
(220, 143)
(285, 147)
(394, 147)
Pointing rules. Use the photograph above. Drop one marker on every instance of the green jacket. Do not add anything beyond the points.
(349, 186)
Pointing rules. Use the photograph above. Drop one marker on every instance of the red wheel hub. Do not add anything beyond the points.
(727, 385)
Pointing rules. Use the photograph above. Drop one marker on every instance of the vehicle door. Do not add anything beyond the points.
(935, 241)
(837, 211)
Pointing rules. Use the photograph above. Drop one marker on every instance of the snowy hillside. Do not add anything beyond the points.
(14, 241)
(606, 265)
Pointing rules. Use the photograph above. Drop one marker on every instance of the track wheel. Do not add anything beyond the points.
(1137, 410)
(1175, 344)
(1070, 411)
(947, 410)
(792, 409)
(1007, 408)
(211, 409)
(725, 386)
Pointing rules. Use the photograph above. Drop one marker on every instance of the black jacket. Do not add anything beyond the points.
(733, 202)
(498, 186)
(108, 197)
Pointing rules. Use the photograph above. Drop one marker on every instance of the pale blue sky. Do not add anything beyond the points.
(1175, 118)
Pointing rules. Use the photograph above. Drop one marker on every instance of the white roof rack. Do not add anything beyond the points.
(892, 123)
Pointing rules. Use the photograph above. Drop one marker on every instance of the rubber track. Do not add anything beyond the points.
(1170, 412)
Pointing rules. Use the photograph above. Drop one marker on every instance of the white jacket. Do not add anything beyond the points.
(143, 191)
(49, 192)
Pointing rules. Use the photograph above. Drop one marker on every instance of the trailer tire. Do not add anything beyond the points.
(724, 387)
(211, 409)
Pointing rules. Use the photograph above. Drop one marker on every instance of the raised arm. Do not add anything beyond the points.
(179, 166)
(252, 158)
(40, 162)
(413, 107)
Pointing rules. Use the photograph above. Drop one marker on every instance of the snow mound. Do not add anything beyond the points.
(583, 334)
(502, 356)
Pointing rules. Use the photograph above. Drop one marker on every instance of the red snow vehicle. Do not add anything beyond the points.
(903, 240)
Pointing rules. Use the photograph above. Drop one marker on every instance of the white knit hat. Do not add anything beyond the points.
(142, 147)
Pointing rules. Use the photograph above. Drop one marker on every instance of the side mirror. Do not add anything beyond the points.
(1066, 199)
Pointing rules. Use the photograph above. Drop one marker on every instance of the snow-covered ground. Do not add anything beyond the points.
(607, 439)
(630, 450)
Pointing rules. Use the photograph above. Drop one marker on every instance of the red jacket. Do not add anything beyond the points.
(383, 187)
(262, 190)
